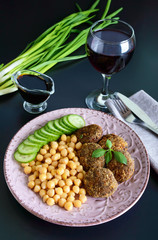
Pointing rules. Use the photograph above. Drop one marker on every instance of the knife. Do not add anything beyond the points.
(138, 112)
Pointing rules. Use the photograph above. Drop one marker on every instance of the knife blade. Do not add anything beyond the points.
(138, 112)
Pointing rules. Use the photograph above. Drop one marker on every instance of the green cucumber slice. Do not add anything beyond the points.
(25, 149)
(50, 127)
(71, 129)
(48, 135)
(76, 120)
(65, 121)
(28, 143)
(62, 129)
(24, 158)
(33, 139)
(39, 136)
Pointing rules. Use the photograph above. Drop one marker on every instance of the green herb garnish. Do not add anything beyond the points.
(108, 154)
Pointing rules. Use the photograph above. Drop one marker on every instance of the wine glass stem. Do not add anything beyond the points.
(105, 88)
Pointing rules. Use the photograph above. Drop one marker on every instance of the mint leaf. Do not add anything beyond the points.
(108, 157)
(98, 153)
(120, 157)
(108, 143)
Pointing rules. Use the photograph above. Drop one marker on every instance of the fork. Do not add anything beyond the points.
(127, 115)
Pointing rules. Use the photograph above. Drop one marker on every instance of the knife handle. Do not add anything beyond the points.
(153, 129)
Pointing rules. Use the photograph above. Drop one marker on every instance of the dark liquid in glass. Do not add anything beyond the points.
(34, 85)
(109, 58)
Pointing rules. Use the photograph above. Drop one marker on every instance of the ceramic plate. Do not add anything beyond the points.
(95, 210)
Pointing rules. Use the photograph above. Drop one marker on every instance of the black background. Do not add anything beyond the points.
(23, 21)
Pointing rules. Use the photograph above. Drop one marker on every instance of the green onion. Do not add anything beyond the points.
(53, 46)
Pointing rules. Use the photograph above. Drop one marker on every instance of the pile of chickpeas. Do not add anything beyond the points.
(56, 173)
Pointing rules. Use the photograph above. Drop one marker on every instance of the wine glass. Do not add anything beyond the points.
(110, 46)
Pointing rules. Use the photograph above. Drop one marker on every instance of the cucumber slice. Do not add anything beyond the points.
(28, 143)
(47, 135)
(25, 149)
(62, 129)
(24, 158)
(50, 127)
(76, 120)
(65, 121)
(39, 136)
(70, 128)
(33, 139)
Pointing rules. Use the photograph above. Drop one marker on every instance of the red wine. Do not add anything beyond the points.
(30, 87)
(107, 57)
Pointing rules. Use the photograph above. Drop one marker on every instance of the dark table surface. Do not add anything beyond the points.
(22, 22)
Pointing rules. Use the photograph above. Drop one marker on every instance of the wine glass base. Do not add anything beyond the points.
(34, 108)
(95, 100)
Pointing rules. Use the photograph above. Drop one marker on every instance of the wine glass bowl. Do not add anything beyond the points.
(110, 46)
(35, 88)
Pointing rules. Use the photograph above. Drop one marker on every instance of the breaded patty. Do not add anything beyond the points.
(100, 182)
(86, 159)
(90, 133)
(121, 171)
(117, 142)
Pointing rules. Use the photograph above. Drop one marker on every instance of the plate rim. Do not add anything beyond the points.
(85, 224)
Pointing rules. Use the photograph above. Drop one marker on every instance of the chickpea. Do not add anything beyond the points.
(56, 157)
(31, 184)
(53, 172)
(82, 198)
(75, 159)
(45, 197)
(77, 182)
(70, 149)
(64, 176)
(54, 164)
(68, 182)
(44, 185)
(63, 137)
(72, 144)
(39, 157)
(78, 145)
(77, 203)
(45, 165)
(48, 160)
(32, 163)
(50, 168)
(50, 184)
(80, 168)
(71, 155)
(42, 177)
(38, 163)
(64, 152)
(31, 177)
(66, 189)
(27, 170)
(55, 180)
(67, 172)
(37, 188)
(64, 195)
(61, 143)
(61, 183)
(56, 198)
(50, 192)
(62, 166)
(71, 164)
(50, 201)
(42, 192)
(80, 175)
(82, 191)
(58, 176)
(73, 172)
(70, 199)
(47, 155)
(48, 176)
(43, 151)
(68, 139)
(52, 151)
(61, 202)
(42, 170)
(33, 169)
(64, 160)
(54, 145)
(37, 181)
(24, 164)
(68, 206)
(75, 189)
(61, 147)
(71, 193)
(73, 138)
(46, 147)
(59, 191)
(60, 171)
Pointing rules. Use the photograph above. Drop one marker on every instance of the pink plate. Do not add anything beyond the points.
(95, 210)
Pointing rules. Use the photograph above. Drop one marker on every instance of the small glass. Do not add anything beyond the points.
(35, 88)
(110, 46)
